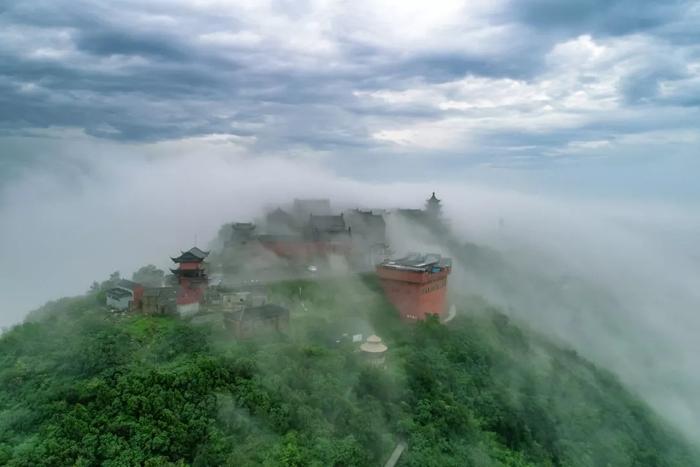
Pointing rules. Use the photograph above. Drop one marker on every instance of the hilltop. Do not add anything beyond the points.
(80, 386)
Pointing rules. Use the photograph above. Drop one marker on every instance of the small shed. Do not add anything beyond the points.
(118, 299)
(125, 295)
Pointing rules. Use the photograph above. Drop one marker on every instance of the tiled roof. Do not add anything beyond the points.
(118, 293)
(127, 284)
(243, 226)
(328, 223)
(193, 254)
(419, 262)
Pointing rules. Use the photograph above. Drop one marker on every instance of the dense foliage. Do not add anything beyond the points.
(80, 386)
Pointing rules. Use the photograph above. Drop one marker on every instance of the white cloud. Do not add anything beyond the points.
(582, 147)
(235, 39)
(415, 26)
(444, 134)
(582, 85)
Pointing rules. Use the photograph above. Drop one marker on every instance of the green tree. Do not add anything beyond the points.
(149, 276)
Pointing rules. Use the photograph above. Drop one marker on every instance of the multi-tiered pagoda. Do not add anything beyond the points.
(192, 279)
(191, 272)
(432, 207)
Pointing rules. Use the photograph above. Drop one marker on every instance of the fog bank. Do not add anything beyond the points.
(616, 280)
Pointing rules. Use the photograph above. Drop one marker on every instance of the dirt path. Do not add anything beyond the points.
(398, 450)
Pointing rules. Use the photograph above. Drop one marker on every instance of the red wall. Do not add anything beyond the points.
(187, 296)
(411, 276)
(138, 295)
(190, 266)
(415, 295)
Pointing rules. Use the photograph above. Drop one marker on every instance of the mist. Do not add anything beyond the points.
(616, 280)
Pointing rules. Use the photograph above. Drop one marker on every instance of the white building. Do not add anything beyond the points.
(188, 309)
(124, 295)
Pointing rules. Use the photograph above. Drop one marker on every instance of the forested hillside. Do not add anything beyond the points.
(81, 386)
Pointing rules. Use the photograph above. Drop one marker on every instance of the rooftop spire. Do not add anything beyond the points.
(432, 205)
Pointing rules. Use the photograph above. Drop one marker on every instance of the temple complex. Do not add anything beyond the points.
(296, 243)
(310, 233)
(416, 285)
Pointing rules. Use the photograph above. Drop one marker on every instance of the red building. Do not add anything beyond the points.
(416, 285)
(191, 271)
(192, 280)
(322, 235)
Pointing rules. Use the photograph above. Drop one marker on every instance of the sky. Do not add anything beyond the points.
(130, 130)
(579, 94)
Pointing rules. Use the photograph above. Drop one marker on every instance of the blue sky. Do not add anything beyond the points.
(593, 95)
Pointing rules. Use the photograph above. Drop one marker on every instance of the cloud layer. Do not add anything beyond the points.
(484, 82)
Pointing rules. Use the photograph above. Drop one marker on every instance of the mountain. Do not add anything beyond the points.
(82, 386)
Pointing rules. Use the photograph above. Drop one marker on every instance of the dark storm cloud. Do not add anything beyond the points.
(129, 43)
(438, 67)
(142, 100)
(598, 16)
